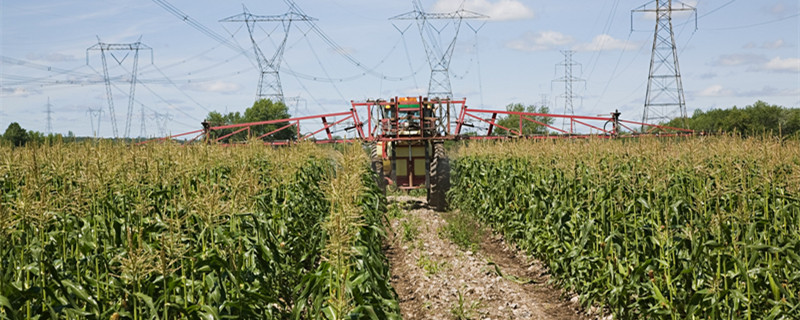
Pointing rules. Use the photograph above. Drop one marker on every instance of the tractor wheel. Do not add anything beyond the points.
(377, 167)
(440, 178)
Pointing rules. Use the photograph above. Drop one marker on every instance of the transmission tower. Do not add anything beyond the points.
(269, 82)
(568, 79)
(110, 48)
(92, 114)
(664, 99)
(545, 101)
(439, 57)
(143, 129)
(161, 122)
(49, 117)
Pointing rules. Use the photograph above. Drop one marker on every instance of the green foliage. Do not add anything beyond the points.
(410, 228)
(463, 230)
(528, 127)
(463, 309)
(431, 266)
(366, 277)
(15, 135)
(262, 110)
(656, 229)
(755, 119)
(94, 230)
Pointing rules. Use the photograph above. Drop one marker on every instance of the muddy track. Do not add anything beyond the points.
(435, 279)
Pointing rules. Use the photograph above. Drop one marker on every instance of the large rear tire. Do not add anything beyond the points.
(377, 167)
(440, 178)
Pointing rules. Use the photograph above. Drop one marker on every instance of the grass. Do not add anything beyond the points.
(431, 266)
(463, 230)
(410, 228)
(462, 309)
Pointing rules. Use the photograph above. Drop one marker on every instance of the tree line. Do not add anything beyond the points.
(757, 119)
(261, 110)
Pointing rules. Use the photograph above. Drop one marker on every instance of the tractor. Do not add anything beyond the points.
(408, 151)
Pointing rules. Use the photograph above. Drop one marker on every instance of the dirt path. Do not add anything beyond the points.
(435, 279)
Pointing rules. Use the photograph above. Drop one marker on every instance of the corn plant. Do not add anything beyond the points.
(673, 229)
(99, 230)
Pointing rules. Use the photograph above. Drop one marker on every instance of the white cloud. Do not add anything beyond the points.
(51, 57)
(715, 91)
(708, 75)
(215, 86)
(14, 92)
(769, 91)
(779, 64)
(501, 10)
(343, 50)
(604, 42)
(411, 92)
(777, 44)
(539, 41)
(780, 9)
(730, 60)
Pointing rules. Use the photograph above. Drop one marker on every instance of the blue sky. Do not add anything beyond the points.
(742, 51)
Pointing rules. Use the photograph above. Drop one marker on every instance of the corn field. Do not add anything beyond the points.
(104, 231)
(663, 229)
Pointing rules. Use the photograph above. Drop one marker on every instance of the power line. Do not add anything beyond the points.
(339, 49)
(181, 91)
(596, 55)
(755, 24)
(439, 56)
(114, 85)
(198, 26)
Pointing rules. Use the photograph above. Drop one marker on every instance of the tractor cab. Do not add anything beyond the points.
(408, 117)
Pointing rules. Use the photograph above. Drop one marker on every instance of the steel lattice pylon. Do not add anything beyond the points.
(439, 57)
(49, 112)
(110, 47)
(664, 99)
(568, 79)
(95, 113)
(269, 81)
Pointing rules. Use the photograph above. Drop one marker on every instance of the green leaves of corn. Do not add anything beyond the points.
(673, 229)
(107, 231)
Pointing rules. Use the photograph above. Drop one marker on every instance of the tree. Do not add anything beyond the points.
(262, 110)
(512, 121)
(15, 134)
(756, 119)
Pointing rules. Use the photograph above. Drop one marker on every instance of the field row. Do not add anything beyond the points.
(701, 228)
(163, 231)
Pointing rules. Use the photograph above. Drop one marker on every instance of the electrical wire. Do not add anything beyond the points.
(593, 60)
(755, 24)
(324, 70)
(181, 91)
(198, 26)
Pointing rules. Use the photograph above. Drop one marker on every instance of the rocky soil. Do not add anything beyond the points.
(435, 279)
